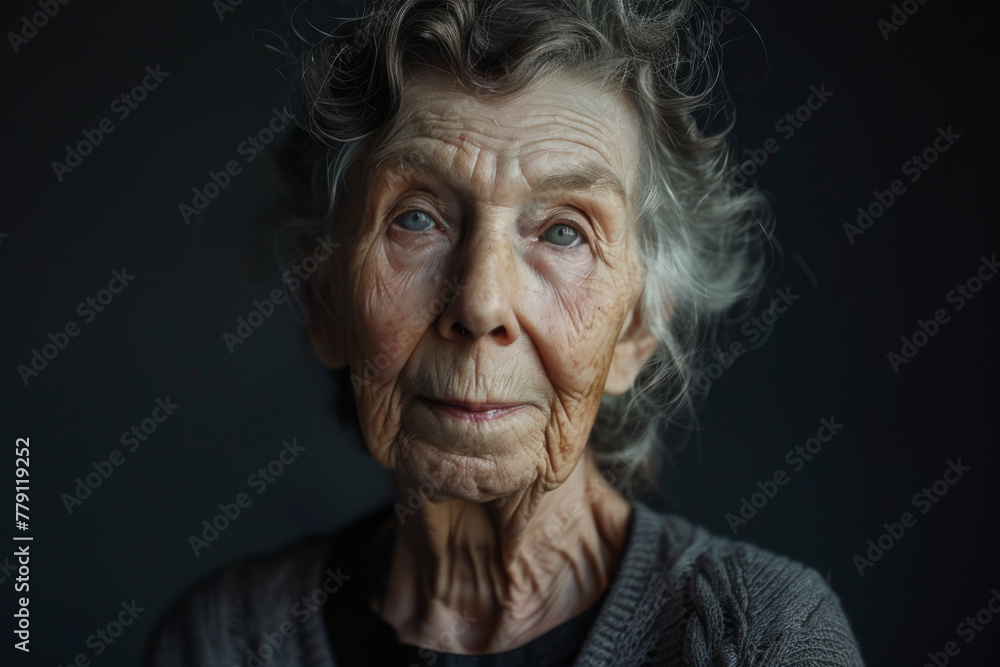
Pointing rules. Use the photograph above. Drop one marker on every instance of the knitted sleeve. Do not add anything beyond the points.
(751, 607)
(200, 629)
(261, 611)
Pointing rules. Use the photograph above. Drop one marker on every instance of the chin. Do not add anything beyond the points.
(439, 475)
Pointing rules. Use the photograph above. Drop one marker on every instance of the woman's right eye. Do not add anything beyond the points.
(415, 221)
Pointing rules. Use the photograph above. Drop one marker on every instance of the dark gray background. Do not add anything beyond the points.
(162, 335)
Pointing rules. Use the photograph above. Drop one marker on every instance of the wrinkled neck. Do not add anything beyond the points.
(519, 566)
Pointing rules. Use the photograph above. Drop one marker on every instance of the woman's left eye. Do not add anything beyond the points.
(415, 221)
(562, 234)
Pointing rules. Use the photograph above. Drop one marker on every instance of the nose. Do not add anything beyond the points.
(486, 288)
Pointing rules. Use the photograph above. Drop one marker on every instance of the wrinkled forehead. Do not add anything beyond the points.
(558, 126)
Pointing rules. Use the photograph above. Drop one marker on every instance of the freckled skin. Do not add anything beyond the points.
(487, 295)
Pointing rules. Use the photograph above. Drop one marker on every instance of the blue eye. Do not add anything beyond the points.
(562, 235)
(415, 221)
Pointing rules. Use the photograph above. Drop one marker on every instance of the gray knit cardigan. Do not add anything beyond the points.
(680, 597)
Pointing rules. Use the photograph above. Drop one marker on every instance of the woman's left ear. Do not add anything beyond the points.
(328, 345)
(634, 347)
(326, 336)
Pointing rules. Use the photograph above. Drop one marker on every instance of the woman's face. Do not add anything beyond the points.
(487, 297)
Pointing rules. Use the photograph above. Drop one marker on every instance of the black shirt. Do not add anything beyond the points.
(361, 638)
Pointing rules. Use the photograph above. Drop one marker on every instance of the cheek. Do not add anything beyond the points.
(384, 332)
(580, 305)
(394, 307)
(577, 331)
(576, 344)
(387, 323)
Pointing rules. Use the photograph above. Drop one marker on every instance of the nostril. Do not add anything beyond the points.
(462, 331)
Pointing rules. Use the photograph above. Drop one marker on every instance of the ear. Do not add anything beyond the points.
(327, 343)
(634, 347)
(326, 328)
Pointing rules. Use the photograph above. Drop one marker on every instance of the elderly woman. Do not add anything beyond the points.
(533, 237)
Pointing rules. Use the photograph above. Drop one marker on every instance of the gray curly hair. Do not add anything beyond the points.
(701, 235)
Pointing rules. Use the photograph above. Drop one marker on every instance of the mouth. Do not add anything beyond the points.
(473, 412)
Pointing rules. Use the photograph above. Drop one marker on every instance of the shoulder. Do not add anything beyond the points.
(269, 606)
(723, 597)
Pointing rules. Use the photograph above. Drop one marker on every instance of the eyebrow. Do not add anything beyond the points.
(585, 177)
